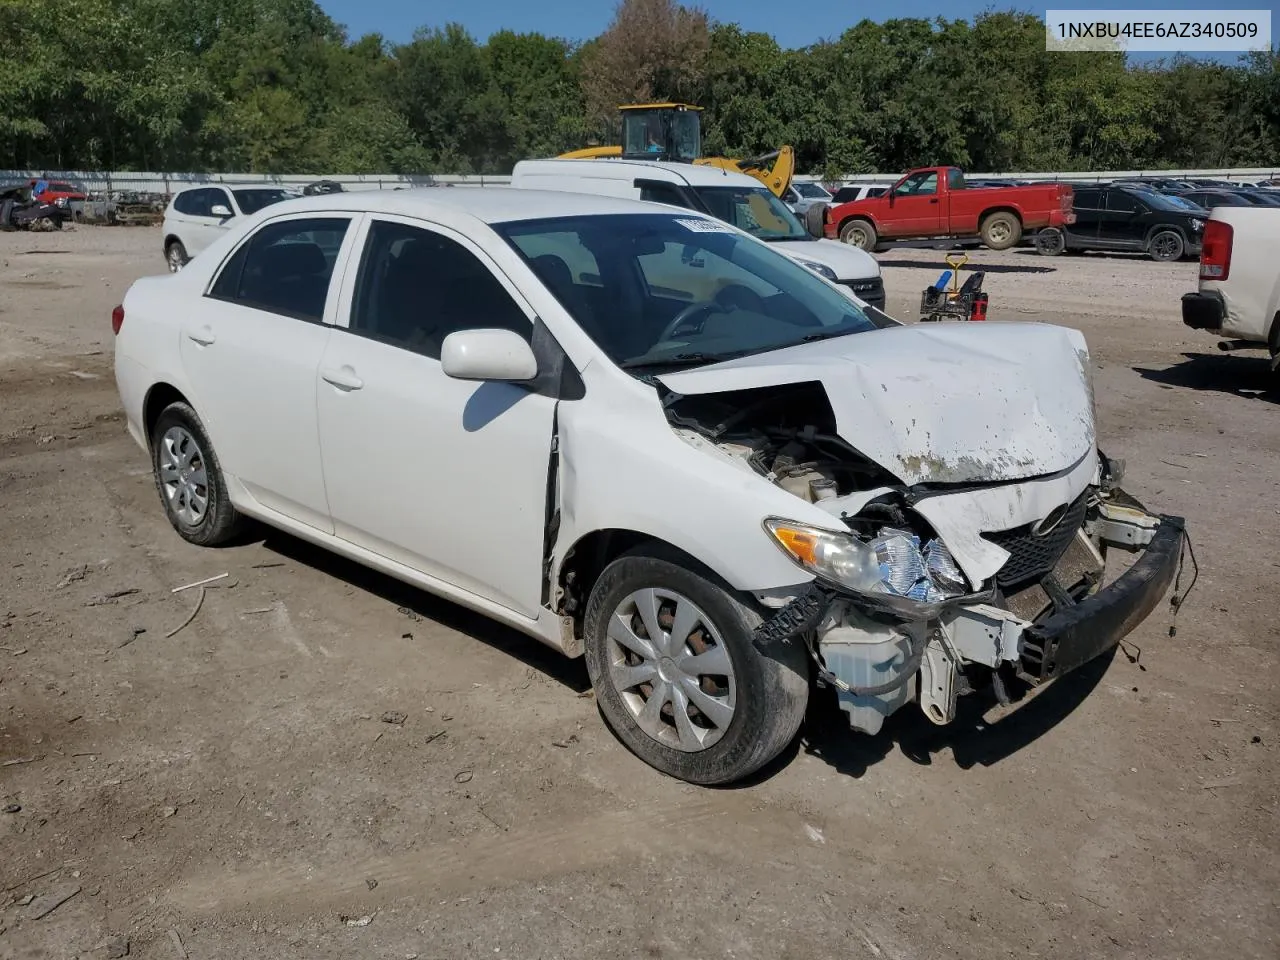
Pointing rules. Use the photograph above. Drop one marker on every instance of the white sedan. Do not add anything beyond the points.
(641, 435)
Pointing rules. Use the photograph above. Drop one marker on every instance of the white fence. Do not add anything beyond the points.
(103, 182)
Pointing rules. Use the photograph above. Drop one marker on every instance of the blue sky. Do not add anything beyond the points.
(793, 26)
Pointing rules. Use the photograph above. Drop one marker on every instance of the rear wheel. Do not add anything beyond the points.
(1001, 230)
(677, 676)
(189, 478)
(1050, 242)
(1166, 246)
(859, 233)
(175, 255)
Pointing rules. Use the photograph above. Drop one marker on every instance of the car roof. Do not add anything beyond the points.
(695, 175)
(487, 204)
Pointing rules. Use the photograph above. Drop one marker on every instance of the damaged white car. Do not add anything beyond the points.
(641, 435)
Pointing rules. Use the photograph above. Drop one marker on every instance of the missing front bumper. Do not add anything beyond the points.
(861, 653)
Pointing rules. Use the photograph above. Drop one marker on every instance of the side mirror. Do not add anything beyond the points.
(488, 355)
(220, 210)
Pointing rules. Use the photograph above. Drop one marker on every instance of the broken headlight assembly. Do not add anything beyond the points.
(894, 569)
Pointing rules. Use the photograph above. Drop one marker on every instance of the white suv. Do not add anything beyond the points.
(644, 437)
(198, 216)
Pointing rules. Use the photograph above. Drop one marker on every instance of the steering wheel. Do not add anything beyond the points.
(741, 297)
(687, 315)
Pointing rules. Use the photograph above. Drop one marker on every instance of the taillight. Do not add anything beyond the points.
(1215, 251)
(117, 319)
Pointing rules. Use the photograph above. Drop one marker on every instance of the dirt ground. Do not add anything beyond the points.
(234, 790)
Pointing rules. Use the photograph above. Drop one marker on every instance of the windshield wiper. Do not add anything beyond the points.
(678, 360)
(785, 238)
(815, 337)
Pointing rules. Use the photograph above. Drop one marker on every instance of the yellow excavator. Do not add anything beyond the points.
(673, 132)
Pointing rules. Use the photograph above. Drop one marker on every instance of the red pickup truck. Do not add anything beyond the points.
(934, 202)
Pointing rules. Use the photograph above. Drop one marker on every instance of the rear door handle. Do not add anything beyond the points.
(203, 336)
(344, 378)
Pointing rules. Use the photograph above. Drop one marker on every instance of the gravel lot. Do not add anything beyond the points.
(233, 791)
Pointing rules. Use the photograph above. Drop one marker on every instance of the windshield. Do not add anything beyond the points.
(251, 201)
(810, 190)
(661, 290)
(755, 210)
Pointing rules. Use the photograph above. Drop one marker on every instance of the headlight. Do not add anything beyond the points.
(819, 268)
(892, 563)
(1197, 224)
(60, 202)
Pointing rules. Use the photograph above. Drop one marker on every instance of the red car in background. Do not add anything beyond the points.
(58, 191)
(936, 202)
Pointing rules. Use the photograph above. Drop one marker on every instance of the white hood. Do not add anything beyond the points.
(939, 403)
(847, 262)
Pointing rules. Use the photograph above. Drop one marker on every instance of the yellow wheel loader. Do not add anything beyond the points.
(673, 132)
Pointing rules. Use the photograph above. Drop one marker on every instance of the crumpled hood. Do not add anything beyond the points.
(939, 403)
(846, 261)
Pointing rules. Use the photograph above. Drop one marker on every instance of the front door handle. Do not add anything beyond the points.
(203, 336)
(933, 199)
(344, 378)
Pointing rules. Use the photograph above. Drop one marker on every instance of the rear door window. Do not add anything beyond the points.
(285, 267)
(1087, 199)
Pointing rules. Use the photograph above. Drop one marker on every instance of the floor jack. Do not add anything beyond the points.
(948, 299)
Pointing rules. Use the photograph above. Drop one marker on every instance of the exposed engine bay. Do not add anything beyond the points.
(786, 434)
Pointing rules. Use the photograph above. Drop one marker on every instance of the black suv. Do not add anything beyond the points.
(1112, 217)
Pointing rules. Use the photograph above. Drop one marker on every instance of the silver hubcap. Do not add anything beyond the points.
(999, 231)
(175, 260)
(182, 475)
(671, 667)
(858, 237)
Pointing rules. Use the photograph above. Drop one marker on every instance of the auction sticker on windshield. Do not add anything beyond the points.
(704, 226)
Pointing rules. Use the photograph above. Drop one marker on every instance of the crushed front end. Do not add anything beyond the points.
(923, 633)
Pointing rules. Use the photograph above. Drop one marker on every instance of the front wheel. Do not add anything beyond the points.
(175, 256)
(859, 233)
(677, 677)
(1166, 246)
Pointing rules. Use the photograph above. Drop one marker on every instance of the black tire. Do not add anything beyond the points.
(220, 521)
(1166, 246)
(815, 220)
(175, 255)
(771, 691)
(859, 233)
(1050, 242)
(1001, 230)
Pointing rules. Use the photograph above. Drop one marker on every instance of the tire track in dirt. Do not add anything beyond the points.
(702, 826)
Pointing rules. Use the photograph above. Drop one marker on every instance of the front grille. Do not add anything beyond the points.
(871, 289)
(1031, 557)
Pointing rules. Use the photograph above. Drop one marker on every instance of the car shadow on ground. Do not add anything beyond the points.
(413, 602)
(971, 266)
(971, 739)
(1242, 375)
